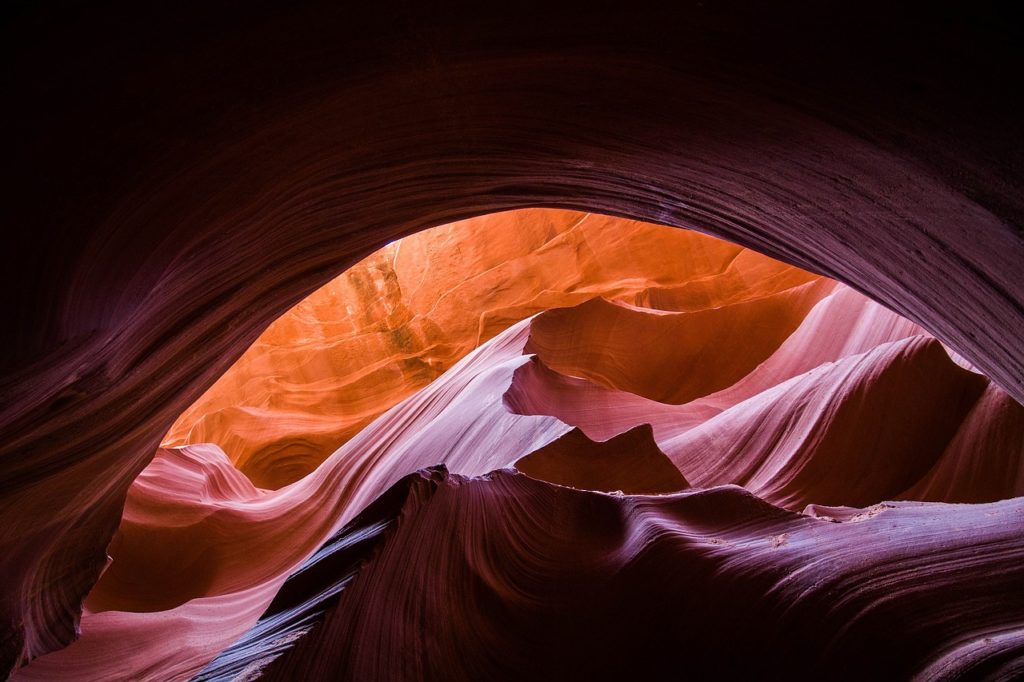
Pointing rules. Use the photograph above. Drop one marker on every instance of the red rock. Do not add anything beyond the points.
(830, 417)
(180, 179)
(629, 463)
(518, 579)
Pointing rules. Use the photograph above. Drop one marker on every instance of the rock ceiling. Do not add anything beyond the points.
(180, 180)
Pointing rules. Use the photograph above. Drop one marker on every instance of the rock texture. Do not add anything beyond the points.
(178, 179)
(575, 585)
(822, 420)
(397, 320)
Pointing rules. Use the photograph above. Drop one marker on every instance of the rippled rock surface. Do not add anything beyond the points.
(721, 436)
(180, 178)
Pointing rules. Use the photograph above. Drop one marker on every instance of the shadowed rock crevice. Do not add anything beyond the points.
(317, 585)
(543, 582)
(206, 565)
(629, 463)
(180, 178)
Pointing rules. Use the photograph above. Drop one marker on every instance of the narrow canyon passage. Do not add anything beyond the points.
(257, 421)
(677, 410)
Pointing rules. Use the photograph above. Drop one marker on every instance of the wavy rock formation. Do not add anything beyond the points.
(629, 463)
(670, 358)
(851, 434)
(831, 416)
(314, 587)
(985, 459)
(842, 324)
(518, 579)
(181, 178)
(398, 319)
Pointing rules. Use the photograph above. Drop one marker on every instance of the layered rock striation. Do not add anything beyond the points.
(179, 179)
(665, 474)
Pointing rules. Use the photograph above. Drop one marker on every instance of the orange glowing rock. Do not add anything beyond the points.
(671, 358)
(588, 352)
(400, 318)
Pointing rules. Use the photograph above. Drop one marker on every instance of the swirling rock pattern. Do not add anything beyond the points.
(180, 179)
(397, 320)
(518, 579)
(822, 421)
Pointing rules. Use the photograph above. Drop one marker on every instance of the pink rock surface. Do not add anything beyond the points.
(519, 579)
(179, 179)
(397, 320)
(201, 552)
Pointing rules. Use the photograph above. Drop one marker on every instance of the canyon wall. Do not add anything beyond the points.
(823, 405)
(179, 180)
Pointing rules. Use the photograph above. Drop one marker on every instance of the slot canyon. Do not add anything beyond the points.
(556, 341)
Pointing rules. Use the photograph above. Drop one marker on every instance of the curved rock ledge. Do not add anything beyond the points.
(185, 583)
(179, 179)
(517, 579)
